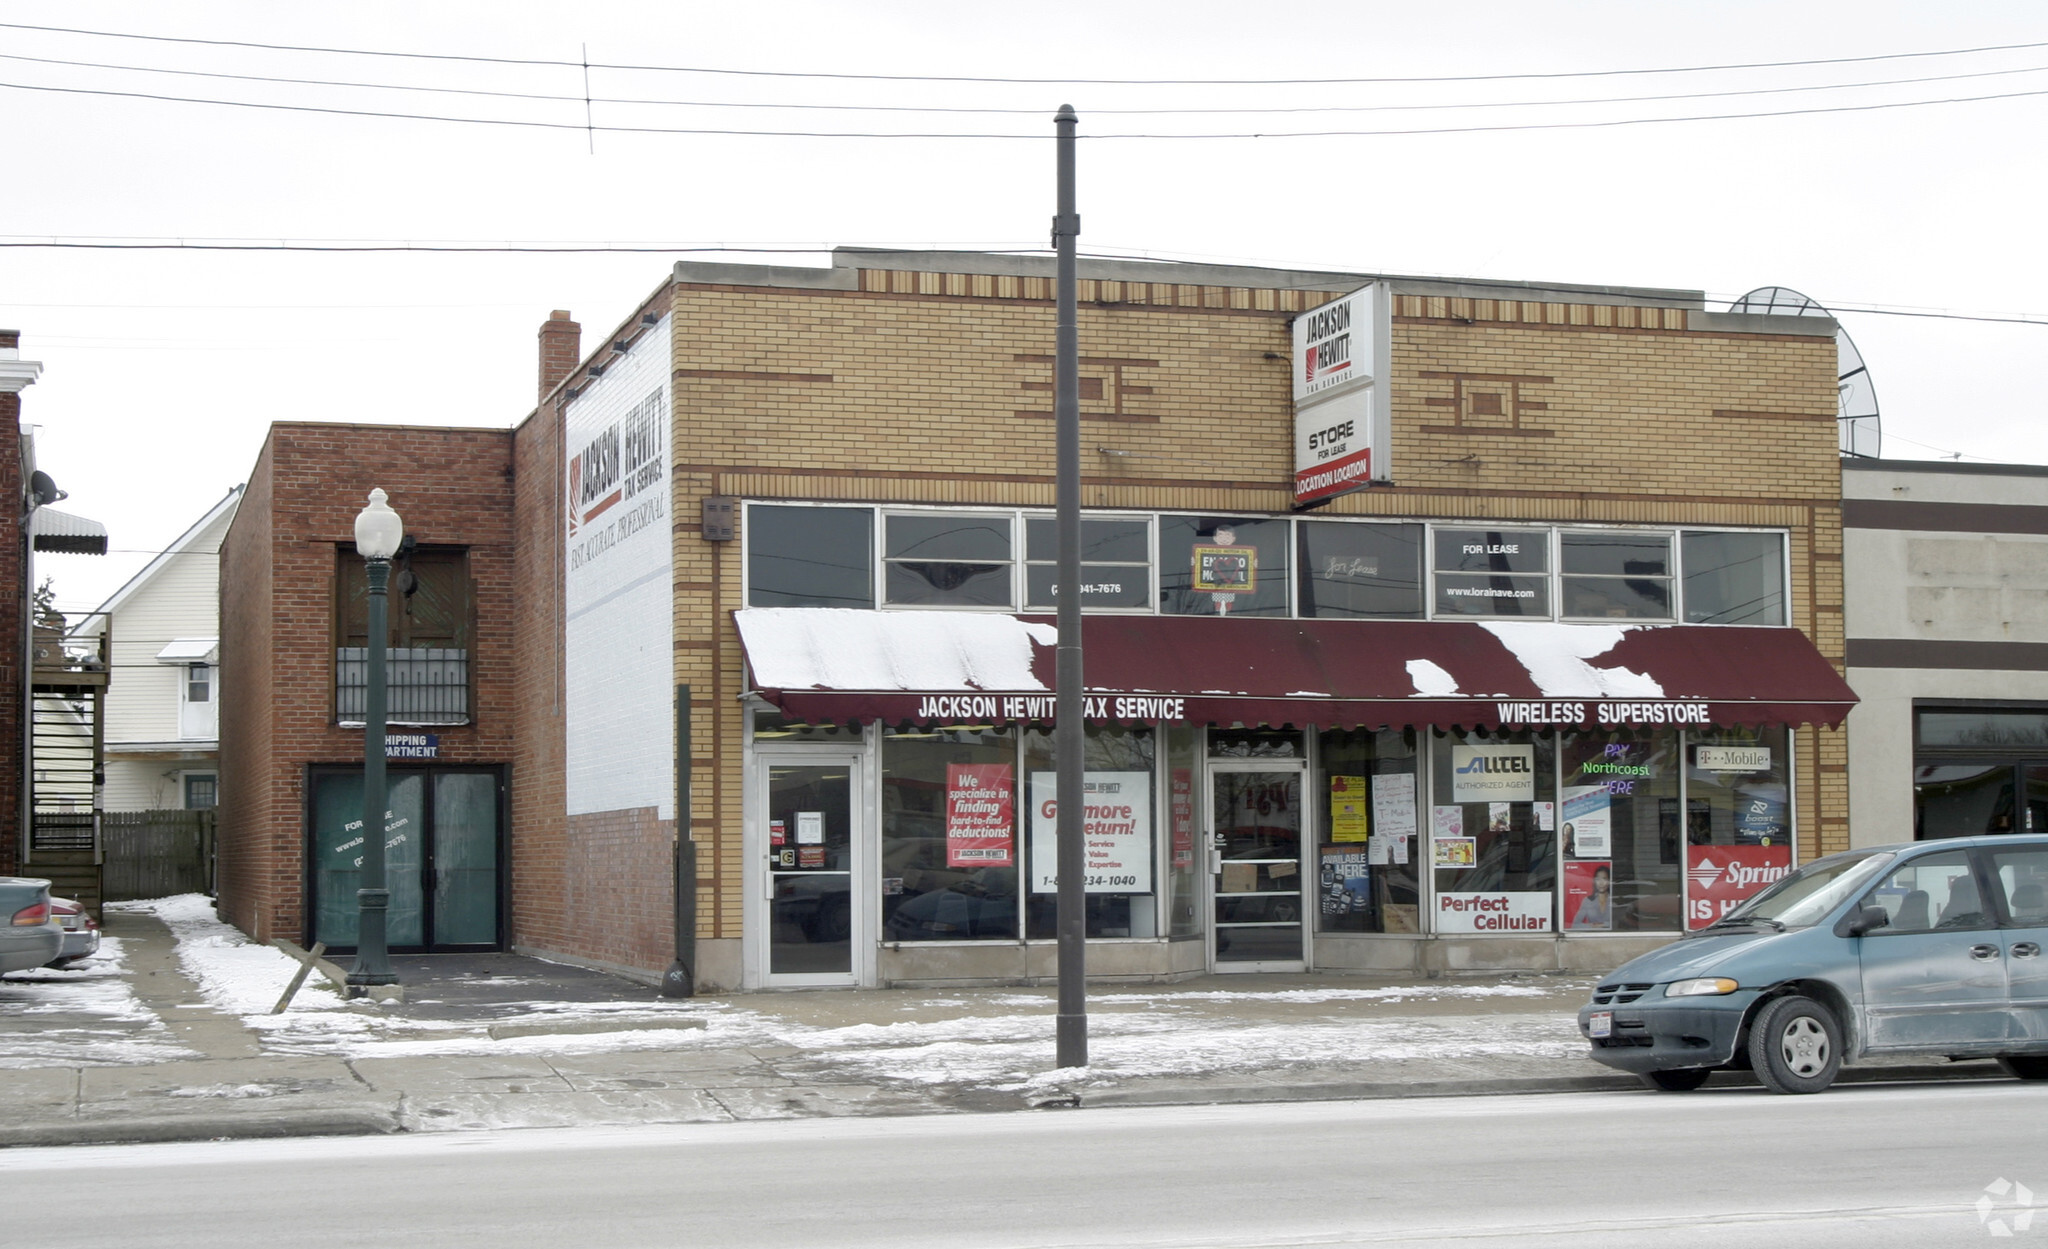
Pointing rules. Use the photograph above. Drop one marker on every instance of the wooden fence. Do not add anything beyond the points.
(154, 854)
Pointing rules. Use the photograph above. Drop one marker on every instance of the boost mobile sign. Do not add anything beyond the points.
(1340, 402)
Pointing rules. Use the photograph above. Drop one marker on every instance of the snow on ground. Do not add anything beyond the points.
(85, 1015)
(999, 1040)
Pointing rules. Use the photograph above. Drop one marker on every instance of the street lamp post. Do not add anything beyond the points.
(378, 533)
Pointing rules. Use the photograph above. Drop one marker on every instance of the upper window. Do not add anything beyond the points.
(1361, 570)
(1116, 563)
(946, 559)
(1493, 572)
(1734, 577)
(429, 618)
(810, 556)
(1220, 566)
(1615, 573)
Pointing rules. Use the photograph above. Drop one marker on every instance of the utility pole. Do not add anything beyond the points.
(1070, 730)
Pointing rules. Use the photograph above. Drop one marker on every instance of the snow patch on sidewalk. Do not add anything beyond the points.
(116, 1029)
(235, 974)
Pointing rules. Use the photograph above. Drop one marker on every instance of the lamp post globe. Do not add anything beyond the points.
(378, 534)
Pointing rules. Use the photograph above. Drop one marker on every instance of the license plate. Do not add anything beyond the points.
(1600, 1023)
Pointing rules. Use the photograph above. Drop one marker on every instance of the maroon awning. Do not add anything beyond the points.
(839, 666)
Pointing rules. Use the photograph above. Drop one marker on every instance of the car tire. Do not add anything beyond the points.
(1683, 1080)
(2025, 1066)
(1795, 1045)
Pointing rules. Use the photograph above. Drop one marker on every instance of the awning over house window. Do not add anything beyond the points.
(190, 651)
(64, 533)
(834, 665)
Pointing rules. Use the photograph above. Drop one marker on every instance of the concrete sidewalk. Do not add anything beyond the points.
(482, 1042)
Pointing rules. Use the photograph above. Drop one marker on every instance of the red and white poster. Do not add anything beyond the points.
(1719, 877)
(1183, 800)
(979, 810)
(1588, 894)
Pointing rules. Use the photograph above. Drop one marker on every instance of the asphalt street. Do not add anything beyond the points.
(1868, 1166)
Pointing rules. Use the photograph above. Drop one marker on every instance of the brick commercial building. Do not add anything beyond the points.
(1456, 625)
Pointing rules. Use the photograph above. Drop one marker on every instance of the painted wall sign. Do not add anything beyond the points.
(412, 745)
(1493, 774)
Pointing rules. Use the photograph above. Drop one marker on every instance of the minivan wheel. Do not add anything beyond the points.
(2025, 1066)
(1683, 1080)
(1794, 1045)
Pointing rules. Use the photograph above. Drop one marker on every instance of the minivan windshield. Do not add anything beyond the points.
(1806, 896)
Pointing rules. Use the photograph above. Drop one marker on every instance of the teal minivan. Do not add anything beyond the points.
(1926, 948)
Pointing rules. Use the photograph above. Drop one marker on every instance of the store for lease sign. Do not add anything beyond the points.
(1339, 410)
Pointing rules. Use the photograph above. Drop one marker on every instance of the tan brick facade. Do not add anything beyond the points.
(935, 387)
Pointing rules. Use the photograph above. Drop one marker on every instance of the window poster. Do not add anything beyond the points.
(810, 828)
(1447, 821)
(1393, 803)
(1116, 832)
(1345, 881)
(1586, 822)
(1589, 894)
(979, 810)
(1456, 853)
(1546, 817)
(1183, 800)
(1347, 808)
(1499, 817)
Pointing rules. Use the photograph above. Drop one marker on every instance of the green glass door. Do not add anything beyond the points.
(442, 857)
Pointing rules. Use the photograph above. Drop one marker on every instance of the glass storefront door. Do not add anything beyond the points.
(1255, 839)
(442, 857)
(815, 923)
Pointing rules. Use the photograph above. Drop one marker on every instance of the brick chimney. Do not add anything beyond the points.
(561, 347)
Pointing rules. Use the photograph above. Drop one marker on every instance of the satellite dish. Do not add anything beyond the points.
(1856, 417)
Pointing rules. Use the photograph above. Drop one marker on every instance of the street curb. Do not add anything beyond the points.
(1085, 1099)
(145, 1129)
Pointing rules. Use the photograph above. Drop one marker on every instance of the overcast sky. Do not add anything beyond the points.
(163, 367)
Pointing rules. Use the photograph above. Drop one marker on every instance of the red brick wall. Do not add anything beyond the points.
(539, 918)
(13, 605)
(617, 864)
(452, 487)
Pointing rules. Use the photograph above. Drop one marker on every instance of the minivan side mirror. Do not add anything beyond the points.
(1866, 919)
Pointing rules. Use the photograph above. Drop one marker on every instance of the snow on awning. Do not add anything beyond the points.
(190, 651)
(830, 665)
(66, 534)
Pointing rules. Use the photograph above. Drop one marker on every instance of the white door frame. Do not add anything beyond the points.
(757, 879)
(1212, 860)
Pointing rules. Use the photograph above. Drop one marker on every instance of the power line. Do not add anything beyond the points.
(1033, 138)
(1116, 82)
(641, 101)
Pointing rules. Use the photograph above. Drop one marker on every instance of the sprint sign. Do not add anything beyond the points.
(1719, 877)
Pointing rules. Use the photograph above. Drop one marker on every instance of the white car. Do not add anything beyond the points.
(81, 932)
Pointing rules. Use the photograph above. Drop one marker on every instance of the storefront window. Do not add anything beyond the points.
(1620, 831)
(949, 835)
(1738, 820)
(946, 559)
(1962, 800)
(1218, 566)
(1118, 769)
(1116, 564)
(1360, 571)
(1367, 852)
(1493, 833)
(1183, 860)
(1492, 572)
(810, 556)
(1616, 574)
(1734, 578)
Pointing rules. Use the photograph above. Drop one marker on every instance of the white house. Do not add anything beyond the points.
(162, 717)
